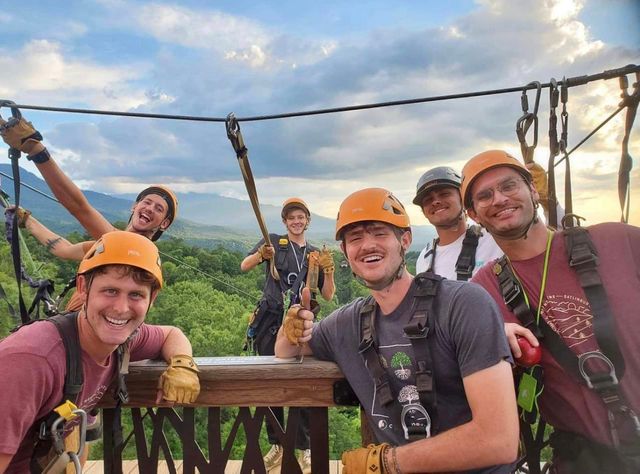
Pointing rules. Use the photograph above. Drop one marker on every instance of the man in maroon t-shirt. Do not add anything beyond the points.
(498, 193)
(118, 279)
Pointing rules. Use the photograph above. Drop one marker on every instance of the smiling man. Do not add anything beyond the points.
(291, 258)
(577, 294)
(426, 356)
(459, 249)
(118, 280)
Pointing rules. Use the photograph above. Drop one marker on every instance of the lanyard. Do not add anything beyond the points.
(543, 283)
(295, 255)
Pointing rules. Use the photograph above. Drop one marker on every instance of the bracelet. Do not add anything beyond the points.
(385, 464)
(395, 461)
(40, 157)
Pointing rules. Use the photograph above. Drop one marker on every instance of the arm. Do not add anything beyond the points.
(264, 252)
(72, 198)
(175, 343)
(491, 437)
(5, 459)
(328, 287)
(57, 245)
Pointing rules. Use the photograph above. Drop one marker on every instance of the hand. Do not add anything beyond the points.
(325, 260)
(540, 183)
(179, 383)
(515, 330)
(364, 460)
(20, 134)
(298, 322)
(266, 252)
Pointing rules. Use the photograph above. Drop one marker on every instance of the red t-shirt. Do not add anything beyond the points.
(32, 370)
(566, 404)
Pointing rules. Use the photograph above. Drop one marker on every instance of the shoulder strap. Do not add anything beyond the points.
(432, 252)
(66, 324)
(467, 259)
(418, 331)
(583, 258)
(369, 351)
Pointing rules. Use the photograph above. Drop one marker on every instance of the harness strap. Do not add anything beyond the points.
(417, 331)
(626, 162)
(467, 259)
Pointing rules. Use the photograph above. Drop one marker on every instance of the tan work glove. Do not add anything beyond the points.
(20, 134)
(266, 252)
(540, 183)
(294, 323)
(179, 383)
(326, 261)
(364, 460)
(23, 215)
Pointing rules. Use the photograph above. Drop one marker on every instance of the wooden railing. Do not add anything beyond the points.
(250, 383)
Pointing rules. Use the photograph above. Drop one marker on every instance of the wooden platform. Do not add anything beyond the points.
(233, 467)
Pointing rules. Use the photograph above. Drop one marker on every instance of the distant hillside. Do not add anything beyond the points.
(205, 220)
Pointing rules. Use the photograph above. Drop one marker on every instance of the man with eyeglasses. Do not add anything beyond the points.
(578, 293)
(290, 253)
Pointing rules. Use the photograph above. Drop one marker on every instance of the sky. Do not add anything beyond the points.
(210, 58)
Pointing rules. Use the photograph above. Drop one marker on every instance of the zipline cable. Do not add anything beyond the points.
(570, 82)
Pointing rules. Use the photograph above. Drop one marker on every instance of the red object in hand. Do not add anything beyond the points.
(530, 355)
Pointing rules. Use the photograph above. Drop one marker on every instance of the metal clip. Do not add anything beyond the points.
(528, 118)
(611, 377)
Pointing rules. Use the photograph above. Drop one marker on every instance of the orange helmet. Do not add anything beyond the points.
(484, 162)
(294, 202)
(371, 204)
(123, 248)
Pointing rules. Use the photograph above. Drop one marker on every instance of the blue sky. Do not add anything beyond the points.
(253, 58)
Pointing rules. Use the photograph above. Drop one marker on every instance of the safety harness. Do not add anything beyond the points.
(583, 259)
(467, 259)
(418, 330)
(49, 454)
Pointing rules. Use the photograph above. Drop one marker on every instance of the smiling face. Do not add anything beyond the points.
(149, 214)
(505, 216)
(374, 251)
(296, 221)
(116, 303)
(442, 206)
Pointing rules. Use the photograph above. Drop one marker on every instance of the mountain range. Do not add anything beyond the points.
(206, 220)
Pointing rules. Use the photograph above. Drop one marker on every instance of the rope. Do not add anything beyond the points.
(569, 82)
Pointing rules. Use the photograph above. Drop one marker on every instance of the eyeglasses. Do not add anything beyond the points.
(507, 188)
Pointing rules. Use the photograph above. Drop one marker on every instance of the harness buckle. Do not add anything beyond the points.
(510, 292)
(597, 381)
(416, 331)
(416, 422)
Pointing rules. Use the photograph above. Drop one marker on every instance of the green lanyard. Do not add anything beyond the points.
(543, 283)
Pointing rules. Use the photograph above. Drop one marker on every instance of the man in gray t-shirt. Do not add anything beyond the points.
(466, 420)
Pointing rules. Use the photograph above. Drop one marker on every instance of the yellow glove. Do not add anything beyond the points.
(20, 134)
(266, 252)
(364, 460)
(179, 383)
(23, 215)
(326, 261)
(540, 183)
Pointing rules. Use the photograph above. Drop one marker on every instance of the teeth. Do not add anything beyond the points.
(506, 211)
(117, 322)
(372, 258)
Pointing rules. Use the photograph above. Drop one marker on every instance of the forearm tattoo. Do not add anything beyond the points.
(53, 242)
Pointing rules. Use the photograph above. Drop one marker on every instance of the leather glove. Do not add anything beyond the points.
(266, 252)
(293, 324)
(179, 383)
(23, 215)
(326, 261)
(540, 183)
(20, 134)
(364, 460)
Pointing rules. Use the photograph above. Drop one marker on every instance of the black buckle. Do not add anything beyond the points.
(510, 291)
(416, 331)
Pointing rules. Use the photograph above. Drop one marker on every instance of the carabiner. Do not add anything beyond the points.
(234, 135)
(15, 111)
(528, 118)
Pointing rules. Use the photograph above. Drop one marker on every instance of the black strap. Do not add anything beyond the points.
(417, 330)
(66, 324)
(432, 252)
(467, 259)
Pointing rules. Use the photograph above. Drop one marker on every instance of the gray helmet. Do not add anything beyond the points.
(440, 176)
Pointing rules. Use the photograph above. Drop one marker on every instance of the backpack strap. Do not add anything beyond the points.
(466, 262)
